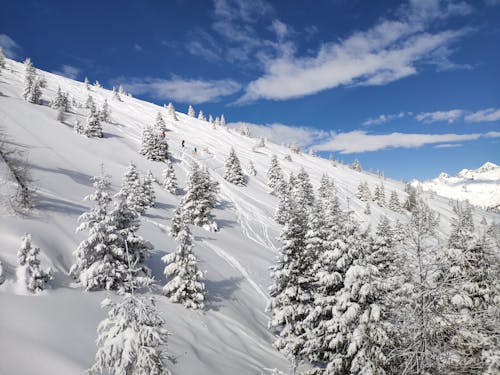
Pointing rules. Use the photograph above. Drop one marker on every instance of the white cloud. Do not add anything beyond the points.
(485, 115)
(387, 52)
(138, 47)
(448, 145)
(9, 46)
(383, 118)
(449, 116)
(360, 141)
(284, 134)
(68, 71)
(280, 29)
(492, 134)
(181, 90)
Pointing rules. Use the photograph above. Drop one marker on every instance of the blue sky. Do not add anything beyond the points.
(408, 87)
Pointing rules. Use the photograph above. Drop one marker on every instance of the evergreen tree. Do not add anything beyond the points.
(222, 120)
(35, 277)
(153, 146)
(326, 188)
(116, 95)
(33, 84)
(274, 174)
(217, 121)
(411, 200)
(379, 195)
(185, 279)
(131, 339)
(78, 128)
(210, 119)
(178, 218)
(90, 104)
(291, 290)
(200, 198)
(233, 172)
(394, 203)
(356, 165)
(245, 130)
(2, 59)
(169, 178)
(201, 116)
(93, 128)
(148, 189)
(191, 112)
(363, 192)
(159, 125)
(60, 100)
(367, 210)
(302, 190)
(86, 82)
(105, 112)
(251, 171)
(283, 207)
(171, 112)
(132, 186)
(97, 84)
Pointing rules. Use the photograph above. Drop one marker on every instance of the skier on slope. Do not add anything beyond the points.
(163, 133)
(182, 143)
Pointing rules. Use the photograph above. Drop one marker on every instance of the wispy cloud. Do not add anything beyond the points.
(138, 47)
(448, 145)
(485, 115)
(9, 46)
(448, 116)
(181, 90)
(387, 52)
(358, 141)
(68, 71)
(284, 134)
(381, 119)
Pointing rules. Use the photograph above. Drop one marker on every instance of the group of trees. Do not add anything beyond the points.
(154, 145)
(346, 301)
(33, 83)
(364, 194)
(218, 121)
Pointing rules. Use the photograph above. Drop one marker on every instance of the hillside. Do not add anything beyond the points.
(480, 186)
(56, 330)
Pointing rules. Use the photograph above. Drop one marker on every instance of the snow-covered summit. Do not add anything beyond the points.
(480, 186)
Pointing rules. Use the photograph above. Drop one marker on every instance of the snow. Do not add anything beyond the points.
(56, 329)
(481, 187)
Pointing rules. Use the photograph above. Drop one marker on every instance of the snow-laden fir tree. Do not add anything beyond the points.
(326, 188)
(171, 111)
(222, 120)
(200, 198)
(201, 116)
(116, 95)
(153, 145)
(394, 203)
(217, 121)
(132, 339)
(210, 119)
(284, 200)
(468, 272)
(97, 84)
(159, 125)
(78, 128)
(291, 290)
(367, 210)
(169, 178)
(132, 186)
(245, 130)
(185, 283)
(417, 346)
(233, 172)
(148, 189)
(2, 59)
(356, 165)
(93, 128)
(86, 82)
(191, 112)
(251, 171)
(90, 104)
(363, 193)
(379, 195)
(33, 84)
(303, 190)
(105, 112)
(274, 174)
(262, 142)
(411, 200)
(35, 278)
(60, 100)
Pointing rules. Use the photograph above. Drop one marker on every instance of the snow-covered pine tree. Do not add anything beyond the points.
(233, 172)
(468, 272)
(210, 119)
(361, 193)
(86, 82)
(35, 278)
(222, 120)
(132, 186)
(201, 116)
(171, 111)
(131, 339)
(283, 207)
(251, 171)
(90, 104)
(217, 121)
(93, 128)
(291, 291)
(148, 189)
(356, 166)
(262, 142)
(169, 178)
(29, 78)
(97, 84)
(178, 217)
(191, 112)
(244, 130)
(274, 174)
(147, 141)
(159, 125)
(185, 279)
(2, 59)
(105, 112)
(367, 210)
(78, 128)
(326, 188)
(303, 190)
(379, 195)
(200, 198)
(394, 203)
(411, 200)
(116, 95)
(58, 100)
(417, 347)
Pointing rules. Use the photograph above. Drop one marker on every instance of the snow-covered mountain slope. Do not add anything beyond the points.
(480, 187)
(54, 333)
